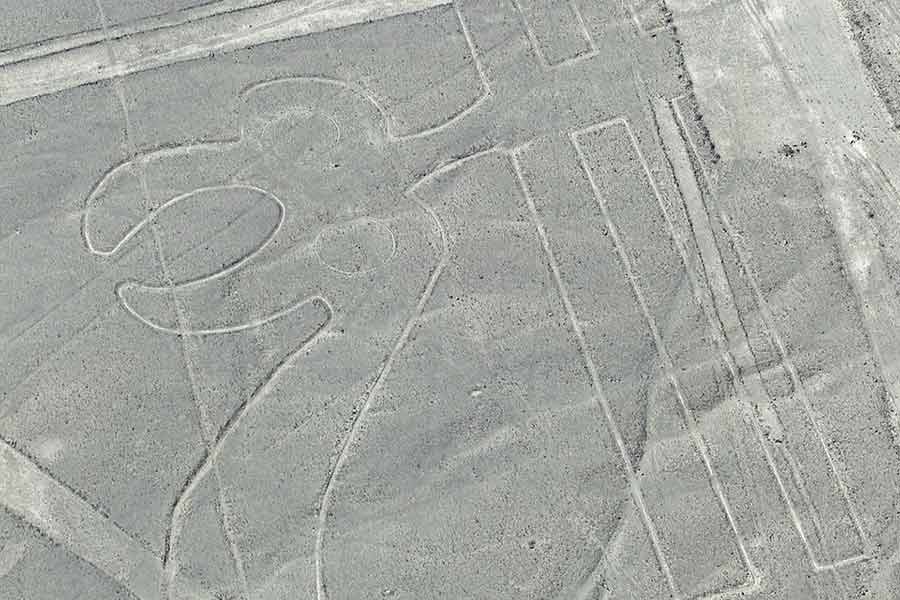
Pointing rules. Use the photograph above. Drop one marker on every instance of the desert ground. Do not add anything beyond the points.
(449, 299)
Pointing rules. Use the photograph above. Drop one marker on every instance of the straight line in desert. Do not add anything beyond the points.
(679, 143)
(169, 567)
(599, 395)
(690, 420)
(65, 42)
(769, 322)
(59, 513)
(138, 50)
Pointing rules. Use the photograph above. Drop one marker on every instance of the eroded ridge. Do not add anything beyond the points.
(556, 31)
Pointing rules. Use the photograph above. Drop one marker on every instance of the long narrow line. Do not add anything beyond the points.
(599, 396)
(729, 359)
(169, 571)
(792, 372)
(357, 422)
(690, 421)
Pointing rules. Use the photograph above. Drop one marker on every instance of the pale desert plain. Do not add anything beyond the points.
(449, 299)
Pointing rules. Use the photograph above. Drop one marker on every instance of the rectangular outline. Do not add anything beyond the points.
(752, 581)
(599, 396)
(535, 44)
(621, 250)
(714, 270)
(800, 392)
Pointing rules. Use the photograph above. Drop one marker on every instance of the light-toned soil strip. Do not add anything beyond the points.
(62, 515)
(62, 43)
(199, 38)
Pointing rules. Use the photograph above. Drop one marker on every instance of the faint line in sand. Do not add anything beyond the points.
(536, 45)
(724, 305)
(10, 555)
(599, 396)
(799, 387)
(690, 419)
(191, 40)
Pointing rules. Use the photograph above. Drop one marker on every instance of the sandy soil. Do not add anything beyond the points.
(483, 299)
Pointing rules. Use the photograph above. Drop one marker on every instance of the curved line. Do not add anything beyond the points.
(451, 165)
(387, 120)
(214, 331)
(102, 183)
(282, 211)
(445, 244)
(390, 231)
(356, 424)
(446, 124)
(174, 200)
(362, 93)
(179, 510)
(308, 112)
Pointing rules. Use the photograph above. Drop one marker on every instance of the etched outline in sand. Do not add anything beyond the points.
(181, 507)
(591, 51)
(800, 391)
(690, 421)
(333, 227)
(368, 398)
(724, 306)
